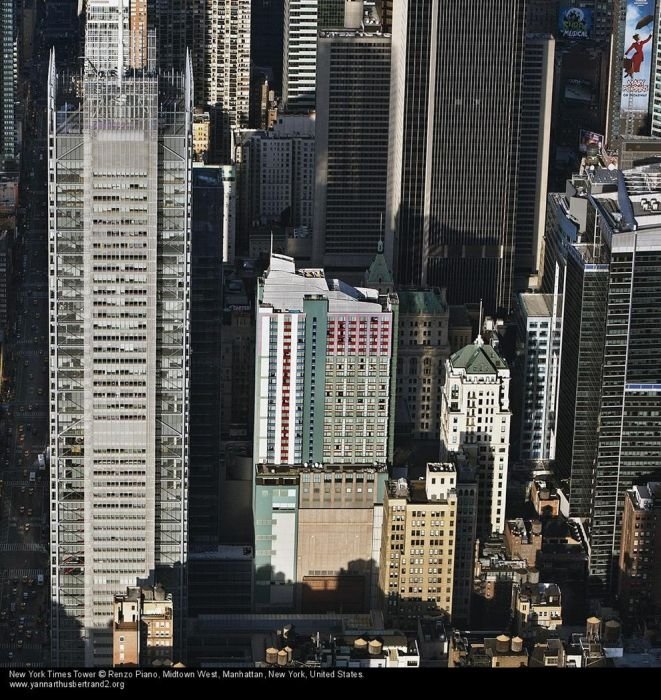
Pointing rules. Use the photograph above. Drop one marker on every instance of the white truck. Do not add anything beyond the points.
(42, 462)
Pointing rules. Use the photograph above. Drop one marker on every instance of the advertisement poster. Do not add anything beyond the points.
(589, 138)
(637, 59)
(575, 23)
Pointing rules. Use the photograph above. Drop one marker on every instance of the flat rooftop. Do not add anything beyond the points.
(537, 305)
(284, 288)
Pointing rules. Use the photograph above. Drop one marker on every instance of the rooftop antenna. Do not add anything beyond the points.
(478, 340)
(379, 248)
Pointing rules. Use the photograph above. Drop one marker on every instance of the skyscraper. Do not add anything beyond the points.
(629, 447)
(119, 258)
(454, 137)
(300, 54)
(8, 68)
(540, 331)
(610, 394)
(353, 115)
(302, 22)
(217, 33)
(325, 355)
(533, 159)
(475, 421)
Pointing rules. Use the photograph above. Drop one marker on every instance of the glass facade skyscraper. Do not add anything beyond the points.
(119, 293)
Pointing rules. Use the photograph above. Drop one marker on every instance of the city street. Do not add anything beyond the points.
(24, 597)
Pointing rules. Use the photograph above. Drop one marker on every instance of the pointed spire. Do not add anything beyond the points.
(379, 247)
(478, 341)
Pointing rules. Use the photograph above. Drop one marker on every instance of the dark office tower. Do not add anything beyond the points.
(173, 20)
(541, 16)
(629, 449)
(586, 290)
(534, 147)
(266, 34)
(455, 132)
(351, 163)
(576, 259)
(206, 322)
(8, 67)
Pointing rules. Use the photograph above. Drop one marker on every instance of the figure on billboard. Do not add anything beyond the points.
(632, 65)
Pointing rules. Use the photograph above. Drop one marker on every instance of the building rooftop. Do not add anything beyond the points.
(317, 467)
(226, 552)
(478, 359)
(378, 273)
(644, 496)
(538, 305)
(284, 288)
(541, 593)
(423, 301)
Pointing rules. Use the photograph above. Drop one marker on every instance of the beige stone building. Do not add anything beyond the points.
(423, 350)
(475, 419)
(142, 627)
(537, 605)
(640, 552)
(417, 552)
(201, 134)
(340, 515)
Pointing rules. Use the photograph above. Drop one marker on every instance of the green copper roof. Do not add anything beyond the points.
(379, 273)
(420, 302)
(478, 359)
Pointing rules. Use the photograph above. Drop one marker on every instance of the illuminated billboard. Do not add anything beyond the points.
(575, 23)
(637, 59)
(589, 138)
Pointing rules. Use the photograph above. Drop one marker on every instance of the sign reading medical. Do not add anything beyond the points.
(575, 23)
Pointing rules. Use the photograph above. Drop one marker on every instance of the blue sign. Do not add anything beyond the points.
(575, 23)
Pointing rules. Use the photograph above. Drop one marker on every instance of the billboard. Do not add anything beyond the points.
(577, 90)
(589, 138)
(575, 23)
(637, 59)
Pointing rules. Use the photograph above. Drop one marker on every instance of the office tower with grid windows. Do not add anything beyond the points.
(454, 146)
(540, 333)
(8, 77)
(629, 442)
(351, 168)
(120, 153)
(324, 382)
(302, 23)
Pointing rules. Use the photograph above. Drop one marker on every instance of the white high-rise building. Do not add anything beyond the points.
(120, 150)
(299, 64)
(277, 172)
(475, 420)
(540, 333)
